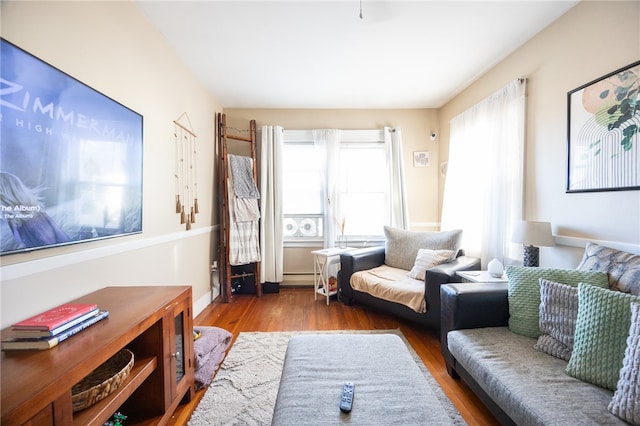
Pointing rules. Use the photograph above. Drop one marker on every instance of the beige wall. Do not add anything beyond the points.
(422, 182)
(110, 47)
(591, 40)
(416, 124)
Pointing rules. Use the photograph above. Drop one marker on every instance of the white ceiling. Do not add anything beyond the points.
(320, 54)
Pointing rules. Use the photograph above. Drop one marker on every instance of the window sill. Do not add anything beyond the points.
(356, 243)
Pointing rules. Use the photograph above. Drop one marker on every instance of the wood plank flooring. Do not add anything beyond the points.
(294, 309)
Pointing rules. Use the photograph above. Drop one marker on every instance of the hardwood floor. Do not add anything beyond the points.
(294, 309)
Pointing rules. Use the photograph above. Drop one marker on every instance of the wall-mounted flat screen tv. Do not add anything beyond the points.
(70, 158)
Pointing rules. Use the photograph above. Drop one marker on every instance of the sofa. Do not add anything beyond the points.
(404, 277)
(550, 346)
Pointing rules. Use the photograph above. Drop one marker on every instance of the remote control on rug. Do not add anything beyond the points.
(346, 401)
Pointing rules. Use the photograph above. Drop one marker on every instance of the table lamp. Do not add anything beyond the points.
(531, 235)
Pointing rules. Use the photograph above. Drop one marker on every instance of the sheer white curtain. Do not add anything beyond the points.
(271, 235)
(483, 192)
(327, 147)
(395, 165)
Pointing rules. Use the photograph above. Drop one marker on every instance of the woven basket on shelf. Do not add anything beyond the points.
(102, 381)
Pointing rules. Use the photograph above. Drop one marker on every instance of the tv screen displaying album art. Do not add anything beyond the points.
(70, 158)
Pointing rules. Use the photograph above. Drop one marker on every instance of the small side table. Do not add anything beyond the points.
(322, 261)
(481, 277)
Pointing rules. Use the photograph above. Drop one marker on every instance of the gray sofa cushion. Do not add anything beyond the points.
(529, 385)
(401, 246)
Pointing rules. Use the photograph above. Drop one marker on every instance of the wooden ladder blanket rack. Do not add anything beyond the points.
(229, 273)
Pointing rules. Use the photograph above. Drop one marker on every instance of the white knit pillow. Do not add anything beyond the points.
(626, 399)
(427, 259)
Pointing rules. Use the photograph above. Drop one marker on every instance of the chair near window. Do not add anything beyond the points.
(397, 270)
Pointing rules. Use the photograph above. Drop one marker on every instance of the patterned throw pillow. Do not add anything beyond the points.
(427, 259)
(604, 318)
(524, 293)
(401, 246)
(623, 267)
(558, 314)
(626, 399)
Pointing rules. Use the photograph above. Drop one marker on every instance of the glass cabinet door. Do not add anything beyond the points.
(180, 323)
(179, 348)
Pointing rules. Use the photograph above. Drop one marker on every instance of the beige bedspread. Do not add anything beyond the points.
(391, 284)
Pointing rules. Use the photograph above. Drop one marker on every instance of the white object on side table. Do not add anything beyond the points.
(480, 277)
(323, 260)
(495, 268)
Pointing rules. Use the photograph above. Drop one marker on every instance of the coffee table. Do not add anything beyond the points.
(389, 386)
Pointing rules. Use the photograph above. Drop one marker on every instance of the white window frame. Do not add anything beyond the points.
(346, 137)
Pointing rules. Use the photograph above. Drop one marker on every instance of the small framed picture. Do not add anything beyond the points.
(420, 158)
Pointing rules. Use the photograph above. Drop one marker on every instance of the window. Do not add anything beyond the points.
(302, 186)
(361, 187)
(487, 148)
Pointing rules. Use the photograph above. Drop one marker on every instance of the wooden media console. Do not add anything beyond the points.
(155, 323)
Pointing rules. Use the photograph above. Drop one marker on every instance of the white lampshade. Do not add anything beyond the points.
(533, 234)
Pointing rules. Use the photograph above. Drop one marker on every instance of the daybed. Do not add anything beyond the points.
(551, 346)
(404, 276)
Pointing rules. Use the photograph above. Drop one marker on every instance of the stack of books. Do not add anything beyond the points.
(46, 330)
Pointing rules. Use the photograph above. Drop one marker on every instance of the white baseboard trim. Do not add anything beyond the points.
(296, 284)
(296, 280)
(204, 301)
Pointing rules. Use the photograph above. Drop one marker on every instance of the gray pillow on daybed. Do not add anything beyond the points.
(401, 246)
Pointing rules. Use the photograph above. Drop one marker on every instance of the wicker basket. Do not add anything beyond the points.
(102, 381)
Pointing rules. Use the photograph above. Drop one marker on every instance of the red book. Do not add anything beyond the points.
(55, 317)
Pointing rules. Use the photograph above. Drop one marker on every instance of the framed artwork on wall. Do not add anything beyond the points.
(421, 159)
(603, 133)
(70, 158)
